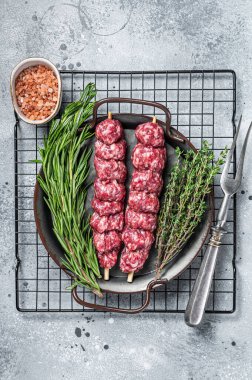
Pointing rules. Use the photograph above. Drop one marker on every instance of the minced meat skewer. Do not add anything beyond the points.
(150, 134)
(148, 158)
(140, 220)
(133, 261)
(141, 201)
(110, 169)
(146, 180)
(116, 151)
(107, 220)
(137, 239)
(107, 260)
(107, 241)
(113, 222)
(105, 207)
(109, 131)
(106, 190)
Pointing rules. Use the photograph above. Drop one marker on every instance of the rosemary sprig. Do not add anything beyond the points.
(64, 159)
(184, 202)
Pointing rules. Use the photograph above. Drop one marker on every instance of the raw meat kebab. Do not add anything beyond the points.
(136, 228)
(148, 158)
(107, 220)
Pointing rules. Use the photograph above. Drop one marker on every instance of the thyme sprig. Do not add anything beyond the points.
(184, 202)
(65, 161)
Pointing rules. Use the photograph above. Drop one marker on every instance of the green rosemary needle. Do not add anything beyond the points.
(65, 161)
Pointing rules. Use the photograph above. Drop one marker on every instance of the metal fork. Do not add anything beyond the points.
(198, 299)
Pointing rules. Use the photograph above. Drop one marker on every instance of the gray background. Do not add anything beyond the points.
(118, 35)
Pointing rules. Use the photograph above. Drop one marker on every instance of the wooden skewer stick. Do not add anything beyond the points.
(154, 120)
(110, 115)
(130, 277)
(106, 274)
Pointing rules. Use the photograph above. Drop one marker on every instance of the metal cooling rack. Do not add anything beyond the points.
(202, 104)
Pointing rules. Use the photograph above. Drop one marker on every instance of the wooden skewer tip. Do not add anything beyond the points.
(154, 120)
(106, 274)
(110, 115)
(130, 277)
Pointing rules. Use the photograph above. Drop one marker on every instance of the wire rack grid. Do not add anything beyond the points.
(202, 105)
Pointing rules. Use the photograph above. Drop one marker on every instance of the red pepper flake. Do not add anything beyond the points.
(37, 92)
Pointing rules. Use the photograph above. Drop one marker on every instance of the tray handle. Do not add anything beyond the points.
(138, 101)
(118, 310)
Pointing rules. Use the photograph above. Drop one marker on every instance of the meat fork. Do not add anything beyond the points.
(198, 299)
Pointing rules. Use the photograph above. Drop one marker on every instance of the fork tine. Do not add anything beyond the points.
(238, 176)
(230, 153)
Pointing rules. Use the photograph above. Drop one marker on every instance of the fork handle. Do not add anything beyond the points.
(198, 299)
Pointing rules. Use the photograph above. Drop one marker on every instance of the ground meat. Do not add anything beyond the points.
(109, 190)
(109, 131)
(106, 208)
(110, 169)
(140, 220)
(148, 158)
(114, 151)
(146, 181)
(108, 216)
(143, 202)
(108, 259)
(107, 241)
(133, 261)
(107, 223)
(137, 239)
(150, 134)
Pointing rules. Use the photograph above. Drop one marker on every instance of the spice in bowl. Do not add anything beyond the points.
(36, 90)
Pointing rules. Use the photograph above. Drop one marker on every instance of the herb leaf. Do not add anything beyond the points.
(184, 202)
(65, 165)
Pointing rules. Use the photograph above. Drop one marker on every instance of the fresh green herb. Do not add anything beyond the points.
(185, 201)
(65, 161)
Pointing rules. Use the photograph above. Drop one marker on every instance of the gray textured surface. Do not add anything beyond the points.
(124, 35)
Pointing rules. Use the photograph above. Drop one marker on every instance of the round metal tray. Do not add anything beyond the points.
(144, 279)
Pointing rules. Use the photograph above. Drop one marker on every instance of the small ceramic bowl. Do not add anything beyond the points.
(17, 70)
